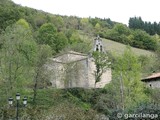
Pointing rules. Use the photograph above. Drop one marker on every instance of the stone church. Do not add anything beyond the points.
(73, 69)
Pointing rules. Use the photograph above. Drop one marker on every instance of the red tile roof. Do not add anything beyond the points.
(153, 76)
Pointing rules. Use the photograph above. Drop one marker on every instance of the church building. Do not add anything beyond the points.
(73, 69)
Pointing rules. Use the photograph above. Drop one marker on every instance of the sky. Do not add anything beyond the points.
(116, 10)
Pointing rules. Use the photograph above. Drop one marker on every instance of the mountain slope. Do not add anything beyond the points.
(119, 48)
(115, 47)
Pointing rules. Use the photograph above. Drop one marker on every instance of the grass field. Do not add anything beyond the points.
(116, 47)
(119, 48)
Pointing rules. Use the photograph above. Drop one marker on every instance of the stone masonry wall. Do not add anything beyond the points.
(153, 84)
(80, 73)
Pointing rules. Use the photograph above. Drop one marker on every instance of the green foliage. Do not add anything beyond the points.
(105, 23)
(76, 43)
(23, 23)
(121, 29)
(22, 65)
(136, 23)
(119, 33)
(40, 76)
(61, 41)
(78, 101)
(145, 62)
(71, 22)
(48, 35)
(84, 22)
(17, 50)
(9, 15)
(150, 28)
(75, 38)
(127, 70)
(97, 27)
(156, 60)
(44, 51)
(155, 95)
(143, 40)
(136, 38)
(102, 63)
(57, 21)
(145, 108)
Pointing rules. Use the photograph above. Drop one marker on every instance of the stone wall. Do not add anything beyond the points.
(105, 79)
(153, 84)
(78, 71)
(57, 74)
(76, 75)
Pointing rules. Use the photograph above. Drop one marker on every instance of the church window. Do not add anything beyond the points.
(97, 48)
(150, 85)
(101, 48)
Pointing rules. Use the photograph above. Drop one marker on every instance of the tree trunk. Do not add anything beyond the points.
(35, 87)
(122, 90)
(10, 76)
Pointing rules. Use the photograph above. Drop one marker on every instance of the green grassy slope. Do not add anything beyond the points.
(116, 47)
(119, 48)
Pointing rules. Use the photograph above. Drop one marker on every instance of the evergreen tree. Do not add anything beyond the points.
(138, 23)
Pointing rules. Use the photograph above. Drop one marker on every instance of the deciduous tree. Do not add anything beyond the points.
(44, 52)
(127, 70)
(17, 52)
(102, 63)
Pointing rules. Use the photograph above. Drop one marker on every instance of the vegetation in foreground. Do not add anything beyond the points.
(29, 37)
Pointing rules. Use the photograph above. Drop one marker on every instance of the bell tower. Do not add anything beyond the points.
(98, 46)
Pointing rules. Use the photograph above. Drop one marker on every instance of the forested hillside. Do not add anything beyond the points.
(150, 28)
(28, 37)
(106, 28)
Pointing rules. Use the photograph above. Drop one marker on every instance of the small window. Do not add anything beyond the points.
(101, 48)
(150, 85)
(97, 48)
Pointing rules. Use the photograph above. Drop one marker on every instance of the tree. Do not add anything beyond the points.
(17, 52)
(120, 33)
(136, 23)
(44, 51)
(76, 43)
(71, 22)
(98, 27)
(75, 38)
(127, 70)
(9, 14)
(85, 25)
(47, 34)
(57, 21)
(144, 40)
(84, 22)
(102, 64)
(24, 24)
(37, 19)
(122, 29)
(60, 42)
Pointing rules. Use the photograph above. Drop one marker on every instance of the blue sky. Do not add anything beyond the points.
(116, 10)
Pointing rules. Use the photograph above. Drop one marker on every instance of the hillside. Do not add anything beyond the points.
(29, 38)
(67, 25)
(116, 47)
(119, 48)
